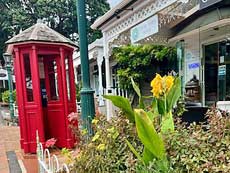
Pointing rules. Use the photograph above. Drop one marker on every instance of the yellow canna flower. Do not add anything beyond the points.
(161, 86)
(169, 82)
(157, 87)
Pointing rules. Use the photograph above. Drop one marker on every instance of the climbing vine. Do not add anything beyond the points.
(142, 61)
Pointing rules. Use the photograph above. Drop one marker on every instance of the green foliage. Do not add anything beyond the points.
(6, 96)
(2, 90)
(78, 91)
(61, 15)
(146, 118)
(107, 151)
(148, 135)
(201, 148)
(138, 91)
(140, 61)
(173, 95)
(123, 104)
(67, 155)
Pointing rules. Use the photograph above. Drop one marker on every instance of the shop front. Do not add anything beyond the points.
(203, 46)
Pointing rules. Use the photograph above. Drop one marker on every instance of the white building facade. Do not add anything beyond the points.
(139, 22)
(200, 30)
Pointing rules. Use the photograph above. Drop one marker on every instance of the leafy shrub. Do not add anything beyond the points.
(6, 96)
(1, 92)
(152, 121)
(107, 151)
(78, 91)
(201, 148)
(139, 62)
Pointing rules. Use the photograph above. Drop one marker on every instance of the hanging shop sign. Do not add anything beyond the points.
(3, 74)
(207, 3)
(145, 29)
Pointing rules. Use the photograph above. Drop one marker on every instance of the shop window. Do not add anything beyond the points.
(211, 70)
(28, 78)
(217, 72)
(53, 80)
(67, 77)
(224, 71)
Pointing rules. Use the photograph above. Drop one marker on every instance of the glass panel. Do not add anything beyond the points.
(224, 71)
(67, 77)
(53, 80)
(227, 61)
(211, 71)
(28, 78)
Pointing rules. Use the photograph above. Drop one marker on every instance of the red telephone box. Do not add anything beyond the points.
(44, 84)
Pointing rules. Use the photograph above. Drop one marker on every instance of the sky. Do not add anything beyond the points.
(114, 2)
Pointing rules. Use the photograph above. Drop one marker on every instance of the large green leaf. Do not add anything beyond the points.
(152, 115)
(123, 104)
(167, 124)
(137, 90)
(147, 156)
(134, 151)
(174, 94)
(161, 103)
(148, 135)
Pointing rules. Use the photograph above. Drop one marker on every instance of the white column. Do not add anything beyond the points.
(99, 64)
(108, 77)
(75, 73)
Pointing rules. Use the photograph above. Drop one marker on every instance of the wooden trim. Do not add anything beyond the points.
(37, 92)
(65, 96)
(72, 80)
(20, 98)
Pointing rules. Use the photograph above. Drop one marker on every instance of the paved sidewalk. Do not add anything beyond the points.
(9, 141)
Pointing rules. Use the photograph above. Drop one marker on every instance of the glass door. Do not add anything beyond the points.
(224, 71)
(217, 72)
(211, 70)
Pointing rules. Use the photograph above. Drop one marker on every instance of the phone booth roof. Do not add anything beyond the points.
(40, 32)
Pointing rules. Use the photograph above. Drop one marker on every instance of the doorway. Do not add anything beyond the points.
(52, 97)
(217, 72)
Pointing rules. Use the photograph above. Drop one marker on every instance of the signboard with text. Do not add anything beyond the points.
(207, 3)
(3, 74)
(145, 29)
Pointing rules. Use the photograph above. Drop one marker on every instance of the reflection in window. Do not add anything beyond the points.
(67, 77)
(28, 78)
(53, 81)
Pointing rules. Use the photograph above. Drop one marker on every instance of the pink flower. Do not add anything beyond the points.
(72, 117)
(50, 142)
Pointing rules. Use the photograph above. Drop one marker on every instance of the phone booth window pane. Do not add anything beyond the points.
(53, 81)
(28, 78)
(67, 77)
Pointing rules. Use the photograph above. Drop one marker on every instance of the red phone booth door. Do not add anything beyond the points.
(55, 126)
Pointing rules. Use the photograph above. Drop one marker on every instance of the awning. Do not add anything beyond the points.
(208, 18)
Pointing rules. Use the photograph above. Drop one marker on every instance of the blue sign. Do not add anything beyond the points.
(194, 65)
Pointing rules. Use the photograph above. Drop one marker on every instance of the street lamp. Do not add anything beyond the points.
(9, 64)
(87, 98)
